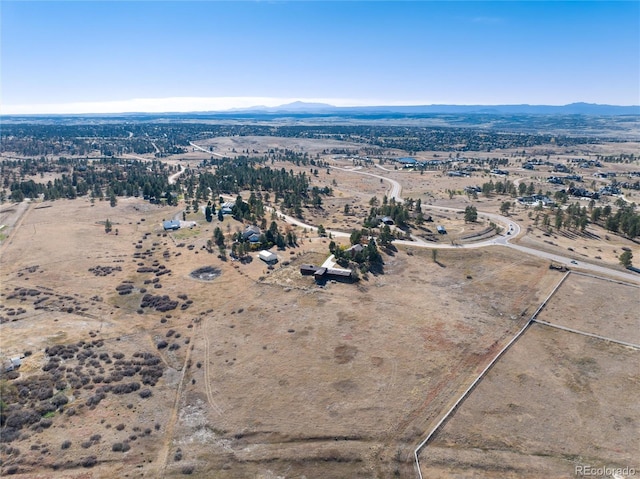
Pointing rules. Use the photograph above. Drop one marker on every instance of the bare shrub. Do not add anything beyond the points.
(145, 393)
(88, 461)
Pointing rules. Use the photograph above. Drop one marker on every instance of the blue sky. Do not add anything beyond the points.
(88, 56)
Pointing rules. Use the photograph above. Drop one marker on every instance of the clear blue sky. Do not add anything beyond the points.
(415, 52)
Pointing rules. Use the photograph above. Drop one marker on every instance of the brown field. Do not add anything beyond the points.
(265, 373)
(555, 401)
(596, 306)
(272, 375)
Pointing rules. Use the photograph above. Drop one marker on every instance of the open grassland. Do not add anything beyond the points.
(596, 306)
(555, 400)
(133, 368)
(262, 370)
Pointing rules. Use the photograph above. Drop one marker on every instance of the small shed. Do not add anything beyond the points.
(171, 225)
(267, 256)
(441, 230)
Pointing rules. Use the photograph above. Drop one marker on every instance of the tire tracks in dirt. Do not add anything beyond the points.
(14, 229)
(163, 454)
(207, 368)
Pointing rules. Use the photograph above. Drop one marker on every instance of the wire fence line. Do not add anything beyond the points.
(483, 373)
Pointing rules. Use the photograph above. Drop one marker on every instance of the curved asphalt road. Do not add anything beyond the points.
(501, 240)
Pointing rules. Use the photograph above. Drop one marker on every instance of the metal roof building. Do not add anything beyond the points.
(267, 256)
(171, 225)
(407, 161)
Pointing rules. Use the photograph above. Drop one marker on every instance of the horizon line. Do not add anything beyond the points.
(171, 105)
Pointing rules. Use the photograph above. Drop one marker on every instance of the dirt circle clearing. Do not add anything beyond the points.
(206, 273)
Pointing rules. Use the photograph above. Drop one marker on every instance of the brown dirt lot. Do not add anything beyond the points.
(345, 379)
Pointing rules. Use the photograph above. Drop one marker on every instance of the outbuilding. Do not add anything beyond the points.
(267, 256)
(171, 225)
(407, 161)
(13, 364)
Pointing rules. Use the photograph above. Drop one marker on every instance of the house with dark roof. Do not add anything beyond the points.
(251, 234)
(308, 269)
(407, 162)
(355, 249)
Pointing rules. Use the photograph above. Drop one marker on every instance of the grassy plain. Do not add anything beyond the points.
(555, 401)
(276, 374)
(267, 374)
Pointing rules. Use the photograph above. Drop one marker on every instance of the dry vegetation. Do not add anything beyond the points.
(555, 401)
(133, 367)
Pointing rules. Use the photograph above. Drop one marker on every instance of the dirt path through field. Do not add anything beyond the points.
(163, 453)
(24, 209)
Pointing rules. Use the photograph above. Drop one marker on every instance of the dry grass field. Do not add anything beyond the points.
(264, 373)
(555, 401)
(258, 375)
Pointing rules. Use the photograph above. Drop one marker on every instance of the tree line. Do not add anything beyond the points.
(99, 179)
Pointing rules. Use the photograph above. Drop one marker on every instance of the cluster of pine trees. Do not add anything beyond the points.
(366, 259)
(625, 220)
(400, 213)
(99, 178)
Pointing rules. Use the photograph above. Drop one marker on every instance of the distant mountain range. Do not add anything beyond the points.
(324, 112)
(571, 109)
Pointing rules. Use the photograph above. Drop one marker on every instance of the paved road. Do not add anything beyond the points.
(205, 150)
(510, 226)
